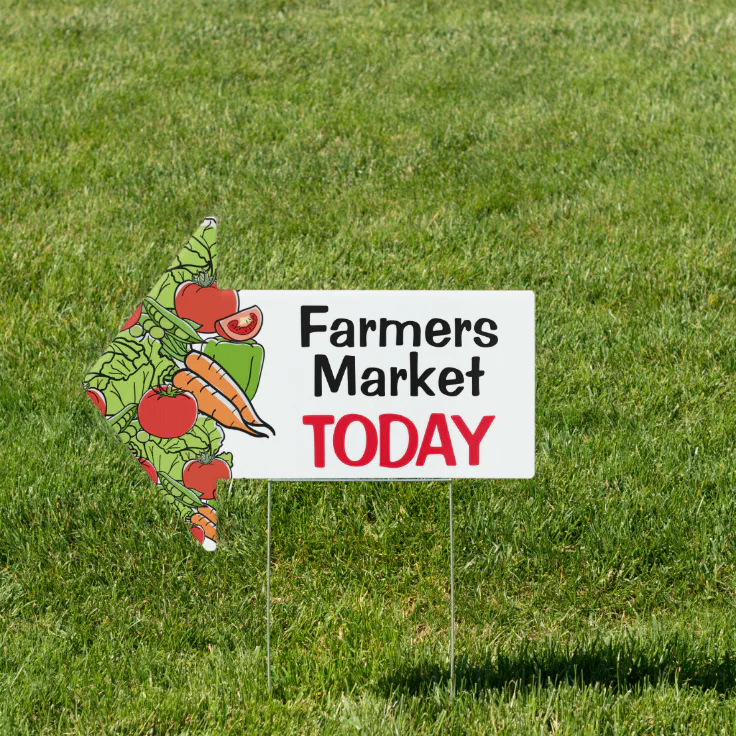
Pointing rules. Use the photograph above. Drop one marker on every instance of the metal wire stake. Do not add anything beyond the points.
(268, 586)
(452, 603)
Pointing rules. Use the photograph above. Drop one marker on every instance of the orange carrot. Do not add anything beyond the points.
(212, 403)
(212, 372)
(207, 511)
(205, 523)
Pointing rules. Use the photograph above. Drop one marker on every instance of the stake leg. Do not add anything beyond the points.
(268, 586)
(452, 603)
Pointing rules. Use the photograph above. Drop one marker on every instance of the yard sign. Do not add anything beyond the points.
(204, 384)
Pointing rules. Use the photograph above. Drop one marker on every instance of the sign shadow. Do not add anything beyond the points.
(619, 666)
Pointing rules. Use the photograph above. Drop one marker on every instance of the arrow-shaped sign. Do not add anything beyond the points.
(161, 387)
(359, 384)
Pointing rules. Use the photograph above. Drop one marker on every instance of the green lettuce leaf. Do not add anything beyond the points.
(227, 458)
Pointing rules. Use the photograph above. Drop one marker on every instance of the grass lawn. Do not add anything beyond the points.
(581, 149)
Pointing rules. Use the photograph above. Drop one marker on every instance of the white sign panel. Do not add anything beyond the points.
(391, 384)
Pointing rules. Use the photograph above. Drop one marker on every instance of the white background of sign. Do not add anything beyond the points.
(286, 390)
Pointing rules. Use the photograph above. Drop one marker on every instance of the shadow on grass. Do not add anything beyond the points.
(619, 666)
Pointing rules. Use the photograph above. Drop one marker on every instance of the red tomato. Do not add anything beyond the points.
(98, 399)
(149, 469)
(197, 533)
(202, 475)
(204, 303)
(244, 325)
(133, 320)
(165, 411)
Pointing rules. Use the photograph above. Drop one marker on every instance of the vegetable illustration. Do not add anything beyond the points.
(244, 325)
(166, 411)
(202, 475)
(242, 360)
(216, 376)
(201, 301)
(213, 403)
(172, 390)
(149, 469)
(205, 519)
(200, 515)
(98, 399)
